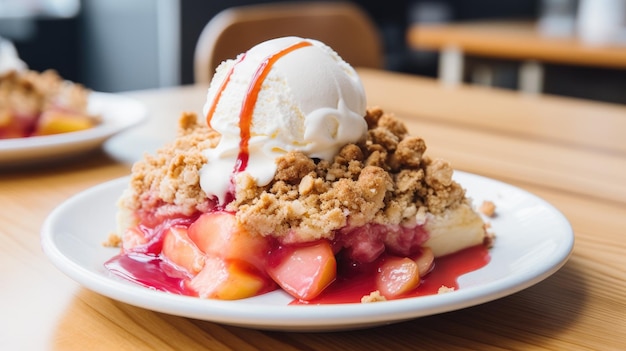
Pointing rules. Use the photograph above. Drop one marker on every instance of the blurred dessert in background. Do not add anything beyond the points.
(39, 103)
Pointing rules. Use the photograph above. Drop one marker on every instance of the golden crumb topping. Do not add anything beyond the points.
(113, 240)
(488, 208)
(444, 289)
(374, 296)
(384, 179)
(169, 181)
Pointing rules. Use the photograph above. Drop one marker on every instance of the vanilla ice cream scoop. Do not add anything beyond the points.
(282, 95)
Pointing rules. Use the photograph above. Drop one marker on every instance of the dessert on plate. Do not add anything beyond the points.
(38, 103)
(289, 181)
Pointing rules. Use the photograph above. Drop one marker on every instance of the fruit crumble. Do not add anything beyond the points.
(290, 182)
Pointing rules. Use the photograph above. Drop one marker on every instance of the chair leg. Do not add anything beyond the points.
(451, 66)
(531, 77)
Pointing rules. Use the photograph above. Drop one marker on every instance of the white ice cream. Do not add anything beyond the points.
(311, 101)
(9, 59)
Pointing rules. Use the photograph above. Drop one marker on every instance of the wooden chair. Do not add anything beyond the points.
(341, 25)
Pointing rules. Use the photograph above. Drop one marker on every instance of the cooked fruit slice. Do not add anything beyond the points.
(5, 118)
(56, 122)
(397, 276)
(133, 237)
(424, 261)
(13, 126)
(226, 280)
(303, 271)
(219, 234)
(181, 251)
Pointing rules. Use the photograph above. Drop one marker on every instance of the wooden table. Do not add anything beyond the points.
(570, 152)
(514, 40)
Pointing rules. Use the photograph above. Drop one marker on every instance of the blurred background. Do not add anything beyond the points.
(120, 45)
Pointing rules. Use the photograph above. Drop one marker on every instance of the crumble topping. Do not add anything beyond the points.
(488, 208)
(169, 181)
(374, 296)
(444, 289)
(113, 240)
(384, 179)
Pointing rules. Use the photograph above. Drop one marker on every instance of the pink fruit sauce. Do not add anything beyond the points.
(353, 282)
(447, 269)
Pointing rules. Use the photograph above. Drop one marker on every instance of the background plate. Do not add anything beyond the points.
(118, 113)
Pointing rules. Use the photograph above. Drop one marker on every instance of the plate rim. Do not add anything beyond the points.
(317, 317)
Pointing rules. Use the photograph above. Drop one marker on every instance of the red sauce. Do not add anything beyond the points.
(247, 108)
(218, 95)
(446, 271)
(151, 271)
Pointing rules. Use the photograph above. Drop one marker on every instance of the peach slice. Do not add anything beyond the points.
(181, 251)
(6, 118)
(397, 276)
(226, 280)
(133, 237)
(218, 234)
(57, 122)
(304, 271)
(424, 261)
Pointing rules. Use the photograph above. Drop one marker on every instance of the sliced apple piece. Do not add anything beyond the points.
(6, 117)
(181, 251)
(132, 238)
(219, 234)
(226, 280)
(10, 128)
(424, 261)
(303, 271)
(397, 276)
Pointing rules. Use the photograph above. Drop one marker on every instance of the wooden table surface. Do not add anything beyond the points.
(517, 40)
(572, 153)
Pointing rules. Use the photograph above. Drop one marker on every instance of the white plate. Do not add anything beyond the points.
(533, 240)
(118, 113)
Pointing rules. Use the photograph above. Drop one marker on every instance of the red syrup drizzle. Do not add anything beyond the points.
(247, 109)
(218, 96)
(248, 104)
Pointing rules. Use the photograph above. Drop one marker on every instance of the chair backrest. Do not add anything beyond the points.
(341, 25)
